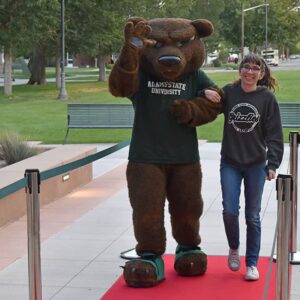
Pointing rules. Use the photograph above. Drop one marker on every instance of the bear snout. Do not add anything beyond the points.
(169, 60)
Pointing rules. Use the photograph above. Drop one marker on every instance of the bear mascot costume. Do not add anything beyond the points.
(158, 69)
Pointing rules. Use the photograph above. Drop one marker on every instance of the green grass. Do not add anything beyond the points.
(35, 113)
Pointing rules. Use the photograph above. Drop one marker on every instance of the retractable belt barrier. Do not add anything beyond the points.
(9, 189)
(294, 139)
(286, 225)
(31, 183)
(284, 197)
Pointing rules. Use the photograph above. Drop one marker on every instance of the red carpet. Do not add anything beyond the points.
(219, 283)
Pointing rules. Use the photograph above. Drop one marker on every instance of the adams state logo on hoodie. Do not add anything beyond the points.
(243, 117)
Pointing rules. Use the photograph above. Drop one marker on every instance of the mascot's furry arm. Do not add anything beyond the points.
(124, 77)
(197, 111)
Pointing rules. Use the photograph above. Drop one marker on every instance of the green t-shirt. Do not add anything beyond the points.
(156, 135)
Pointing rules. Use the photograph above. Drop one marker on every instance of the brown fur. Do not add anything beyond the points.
(140, 274)
(197, 112)
(149, 185)
(191, 264)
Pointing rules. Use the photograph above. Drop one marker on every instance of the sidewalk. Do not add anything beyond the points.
(83, 233)
(71, 78)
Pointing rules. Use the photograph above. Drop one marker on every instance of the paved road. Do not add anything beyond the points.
(69, 79)
(290, 64)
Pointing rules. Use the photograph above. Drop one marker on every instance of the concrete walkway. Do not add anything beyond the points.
(83, 233)
(71, 78)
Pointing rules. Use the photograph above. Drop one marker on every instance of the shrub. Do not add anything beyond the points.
(108, 66)
(223, 55)
(232, 66)
(216, 63)
(14, 149)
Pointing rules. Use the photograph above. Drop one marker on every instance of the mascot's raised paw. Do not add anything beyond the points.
(136, 32)
(190, 261)
(144, 272)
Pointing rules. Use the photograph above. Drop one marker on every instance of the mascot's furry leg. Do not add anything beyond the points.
(186, 206)
(146, 186)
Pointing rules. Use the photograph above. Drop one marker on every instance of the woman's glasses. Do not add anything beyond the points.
(254, 69)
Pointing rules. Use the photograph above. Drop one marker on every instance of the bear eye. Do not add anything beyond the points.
(184, 42)
(159, 45)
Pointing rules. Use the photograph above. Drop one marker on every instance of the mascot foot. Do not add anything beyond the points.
(190, 261)
(146, 271)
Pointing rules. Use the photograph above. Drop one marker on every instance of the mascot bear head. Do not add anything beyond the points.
(176, 49)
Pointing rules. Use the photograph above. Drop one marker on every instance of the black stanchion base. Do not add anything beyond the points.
(129, 254)
(295, 258)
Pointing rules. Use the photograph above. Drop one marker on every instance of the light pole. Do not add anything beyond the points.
(266, 33)
(243, 25)
(62, 93)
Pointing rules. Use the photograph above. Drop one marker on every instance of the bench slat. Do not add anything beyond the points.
(100, 115)
(290, 114)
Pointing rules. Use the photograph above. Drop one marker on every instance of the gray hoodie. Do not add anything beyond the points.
(252, 127)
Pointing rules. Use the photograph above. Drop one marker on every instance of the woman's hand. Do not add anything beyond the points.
(271, 174)
(212, 95)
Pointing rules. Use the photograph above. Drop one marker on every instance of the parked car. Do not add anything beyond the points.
(233, 58)
(294, 56)
(211, 57)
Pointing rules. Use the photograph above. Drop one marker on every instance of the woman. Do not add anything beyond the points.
(252, 150)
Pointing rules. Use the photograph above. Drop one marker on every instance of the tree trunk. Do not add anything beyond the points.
(7, 71)
(1, 63)
(101, 63)
(37, 66)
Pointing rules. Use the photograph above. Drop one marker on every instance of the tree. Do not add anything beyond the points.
(283, 16)
(287, 14)
(95, 27)
(12, 26)
(37, 65)
(230, 23)
(90, 28)
(23, 24)
(211, 10)
(44, 29)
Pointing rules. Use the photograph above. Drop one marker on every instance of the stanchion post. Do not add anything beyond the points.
(33, 234)
(294, 141)
(284, 190)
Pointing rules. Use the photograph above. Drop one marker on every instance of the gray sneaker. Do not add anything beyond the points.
(234, 263)
(252, 273)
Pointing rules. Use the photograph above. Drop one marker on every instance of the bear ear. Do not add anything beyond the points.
(203, 27)
(135, 20)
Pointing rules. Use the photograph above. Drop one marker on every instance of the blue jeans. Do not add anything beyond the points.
(254, 179)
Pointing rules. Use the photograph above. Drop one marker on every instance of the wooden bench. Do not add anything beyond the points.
(290, 114)
(121, 115)
(81, 115)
